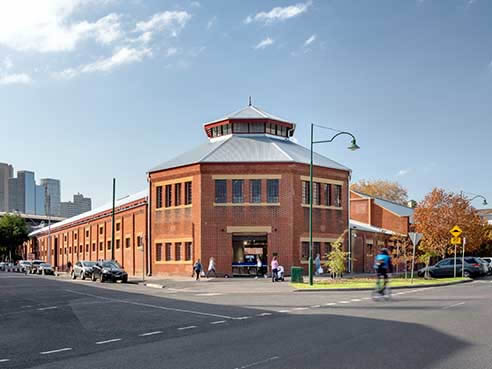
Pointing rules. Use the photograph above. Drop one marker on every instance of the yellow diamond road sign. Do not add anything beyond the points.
(456, 231)
(456, 241)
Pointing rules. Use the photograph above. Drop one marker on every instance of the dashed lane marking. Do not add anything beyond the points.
(47, 308)
(258, 363)
(4, 360)
(56, 351)
(108, 341)
(264, 314)
(315, 306)
(218, 322)
(209, 294)
(453, 305)
(242, 318)
(344, 302)
(300, 308)
(356, 300)
(330, 303)
(186, 328)
(149, 334)
(284, 311)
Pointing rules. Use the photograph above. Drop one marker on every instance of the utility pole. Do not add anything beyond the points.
(113, 224)
(47, 209)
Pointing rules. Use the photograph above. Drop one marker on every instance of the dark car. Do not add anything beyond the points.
(108, 271)
(445, 268)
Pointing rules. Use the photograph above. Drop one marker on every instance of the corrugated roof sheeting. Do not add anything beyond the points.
(249, 112)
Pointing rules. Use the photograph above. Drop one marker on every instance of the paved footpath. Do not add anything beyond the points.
(53, 323)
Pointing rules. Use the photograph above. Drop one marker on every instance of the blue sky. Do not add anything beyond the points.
(91, 89)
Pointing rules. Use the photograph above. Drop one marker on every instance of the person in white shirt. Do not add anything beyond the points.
(211, 266)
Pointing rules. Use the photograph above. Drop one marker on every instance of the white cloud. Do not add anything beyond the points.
(264, 43)
(279, 13)
(123, 56)
(171, 51)
(403, 172)
(7, 63)
(11, 79)
(173, 21)
(211, 22)
(310, 40)
(45, 26)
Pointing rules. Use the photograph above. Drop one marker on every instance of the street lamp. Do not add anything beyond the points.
(353, 147)
(475, 196)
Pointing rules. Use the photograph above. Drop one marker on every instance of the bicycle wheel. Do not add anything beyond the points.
(387, 293)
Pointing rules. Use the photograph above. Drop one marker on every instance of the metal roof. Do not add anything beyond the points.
(249, 112)
(400, 210)
(356, 225)
(247, 148)
(106, 207)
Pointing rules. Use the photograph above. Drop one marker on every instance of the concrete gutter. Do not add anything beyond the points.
(444, 284)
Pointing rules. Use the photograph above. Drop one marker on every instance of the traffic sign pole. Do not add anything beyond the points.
(455, 261)
(463, 259)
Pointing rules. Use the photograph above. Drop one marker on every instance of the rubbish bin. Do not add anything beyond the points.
(296, 274)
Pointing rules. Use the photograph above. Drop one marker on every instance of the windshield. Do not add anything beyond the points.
(89, 263)
(110, 264)
(46, 265)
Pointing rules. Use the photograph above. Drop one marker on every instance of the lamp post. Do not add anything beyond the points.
(352, 147)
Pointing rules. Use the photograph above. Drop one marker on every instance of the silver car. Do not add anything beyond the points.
(82, 269)
(46, 269)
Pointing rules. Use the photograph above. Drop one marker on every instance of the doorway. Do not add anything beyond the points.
(246, 250)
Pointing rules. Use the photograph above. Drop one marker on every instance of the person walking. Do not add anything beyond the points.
(317, 264)
(198, 269)
(259, 267)
(211, 266)
(69, 266)
(274, 265)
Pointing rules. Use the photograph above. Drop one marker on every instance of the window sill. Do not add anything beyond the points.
(246, 204)
(322, 207)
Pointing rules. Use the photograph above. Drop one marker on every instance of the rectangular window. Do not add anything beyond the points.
(109, 245)
(226, 129)
(304, 250)
(139, 241)
(338, 195)
(305, 193)
(188, 193)
(168, 251)
(316, 249)
(169, 196)
(240, 127)
(177, 251)
(87, 233)
(118, 226)
(69, 250)
(94, 247)
(117, 244)
(75, 248)
(237, 191)
(270, 128)
(327, 249)
(158, 197)
(75, 235)
(282, 131)
(255, 190)
(127, 243)
(158, 251)
(369, 249)
(65, 238)
(101, 230)
(272, 191)
(328, 194)
(187, 250)
(177, 194)
(316, 194)
(220, 191)
(100, 246)
(257, 128)
(87, 248)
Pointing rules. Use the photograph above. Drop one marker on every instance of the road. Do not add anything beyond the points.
(52, 323)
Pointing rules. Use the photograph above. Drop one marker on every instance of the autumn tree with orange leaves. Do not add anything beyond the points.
(387, 190)
(438, 213)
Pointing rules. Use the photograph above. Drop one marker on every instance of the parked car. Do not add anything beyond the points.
(24, 265)
(108, 271)
(45, 269)
(34, 266)
(489, 261)
(82, 269)
(485, 266)
(445, 268)
(3, 266)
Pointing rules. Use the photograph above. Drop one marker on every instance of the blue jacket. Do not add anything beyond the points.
(383, 261)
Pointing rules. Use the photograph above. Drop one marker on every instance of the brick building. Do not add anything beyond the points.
(375, 223)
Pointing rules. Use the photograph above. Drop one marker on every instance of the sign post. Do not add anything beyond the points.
(456, 240)
(463, 259)
(415, 238)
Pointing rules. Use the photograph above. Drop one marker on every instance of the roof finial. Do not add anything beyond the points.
(249, 104)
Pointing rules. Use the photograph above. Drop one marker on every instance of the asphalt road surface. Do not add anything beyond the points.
(51, 323)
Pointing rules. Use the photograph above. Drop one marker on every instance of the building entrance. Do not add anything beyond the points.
(246, 250)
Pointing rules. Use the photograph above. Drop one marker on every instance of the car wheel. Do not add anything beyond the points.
(82, 275)
(93, 277)
(466, 274)
(73, 275)
(101, 279)
(124, 280)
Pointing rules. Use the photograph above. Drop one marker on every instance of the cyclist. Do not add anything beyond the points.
(384, 267)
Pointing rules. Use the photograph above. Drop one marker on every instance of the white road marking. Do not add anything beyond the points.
(108, 341)
(344, 302)
(153, 306)
(185, 328)
(26, 306)
(300, 308)
(450, 306)
(330, 303)
(4, 360)
(209, 294)
(356, 300)
(315, 306)
(264, 314)
(55, 351)
(365, 298)
(284, 311)
(47, 308)
(149, 334)
(242, 318)
(218, 322)
(258, 363)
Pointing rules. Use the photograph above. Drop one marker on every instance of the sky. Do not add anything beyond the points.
(96, 89)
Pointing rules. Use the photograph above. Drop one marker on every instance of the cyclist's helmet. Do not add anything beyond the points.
(385, 251)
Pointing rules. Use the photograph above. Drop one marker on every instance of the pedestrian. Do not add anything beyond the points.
(259, 267)
(197, 268)
(317, 264)
(274, 266)
(69, 266)
(211, 266)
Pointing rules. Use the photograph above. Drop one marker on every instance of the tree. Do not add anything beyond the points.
(13, 233)
(437, 214)
(387, 190)
(337, 258)
(402, 253)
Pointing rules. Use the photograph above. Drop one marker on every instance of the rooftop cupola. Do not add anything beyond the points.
(249, 120)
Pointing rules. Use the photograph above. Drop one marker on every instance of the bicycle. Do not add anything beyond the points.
(381, 291)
